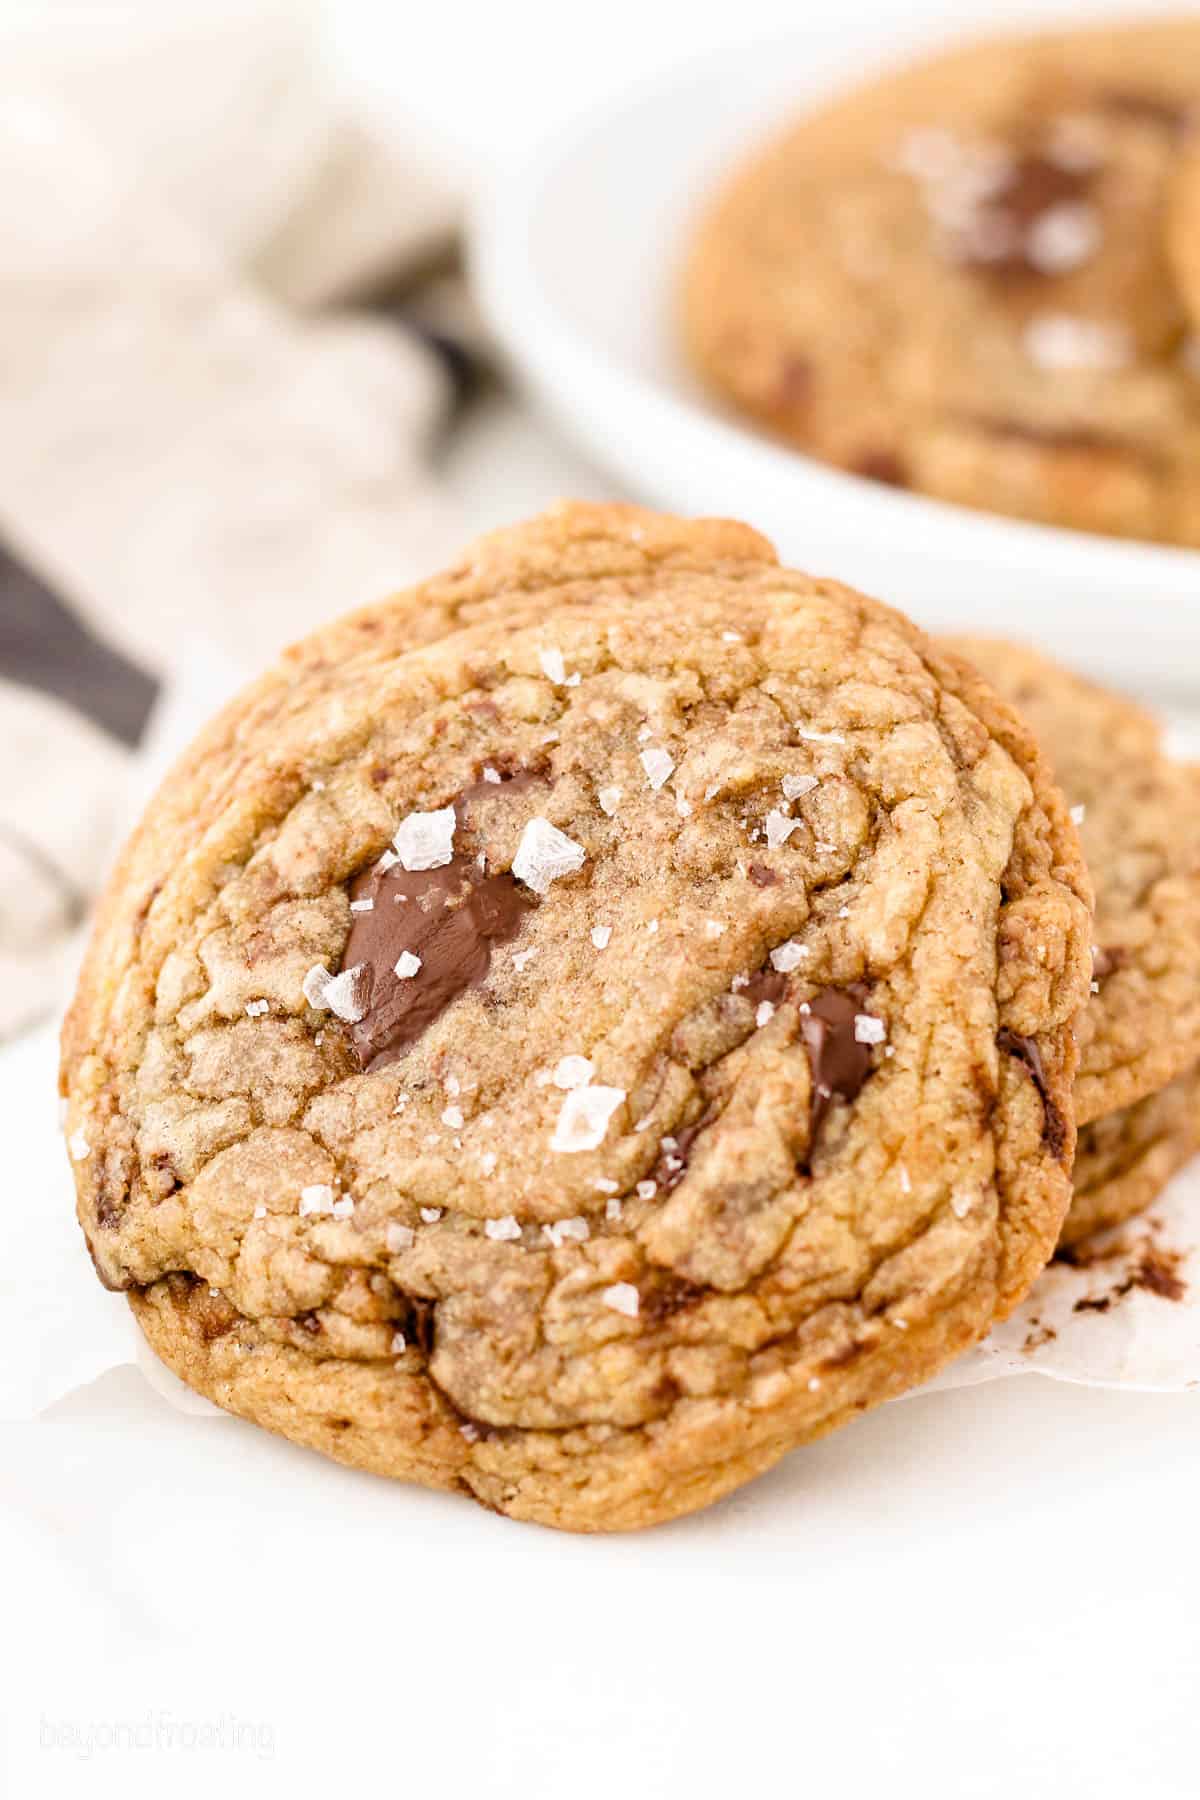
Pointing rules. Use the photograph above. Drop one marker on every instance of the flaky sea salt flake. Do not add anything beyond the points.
(425, 840)
(659, 766)
(794, 786)
(314, 985)
(503, 1230)
(545, 854)
(317, 1198)
(621, 1297)
(601, 935)
(868, 1030)
(567, 1231)
(779, 828)
(572, 1072)
(78, 1146)
(583, 1118)
(407, 965)
(553, 667)
(789, 956)
(345, 994)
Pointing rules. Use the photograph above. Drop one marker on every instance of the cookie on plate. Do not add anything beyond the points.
(978, 277)
(580, 1029)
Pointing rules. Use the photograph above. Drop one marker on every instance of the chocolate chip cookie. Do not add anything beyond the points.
(1124, 1160)
(978, 277)
(576, 1031)
(1139, 820)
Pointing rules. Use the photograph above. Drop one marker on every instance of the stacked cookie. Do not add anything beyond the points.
(582, 1028)
(1137, 1095)
(980, 277)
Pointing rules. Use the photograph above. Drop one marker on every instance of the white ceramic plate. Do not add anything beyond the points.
(576, 252)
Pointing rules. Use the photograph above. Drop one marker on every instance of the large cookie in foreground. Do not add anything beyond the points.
(978, 277)
(577, 1031)
(1139, 822)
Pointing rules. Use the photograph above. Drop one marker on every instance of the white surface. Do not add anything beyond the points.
(576, 252)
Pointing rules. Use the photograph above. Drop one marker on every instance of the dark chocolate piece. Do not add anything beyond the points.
(881, 465)
(1104, 962)
(839, 1063)
(1035, 186)
(1054, 1127)
(450, 918)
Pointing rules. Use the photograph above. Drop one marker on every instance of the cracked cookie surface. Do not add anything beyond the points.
(1139, 821)
(978, 277)
(577, 1030)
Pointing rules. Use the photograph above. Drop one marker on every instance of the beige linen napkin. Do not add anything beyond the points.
(198, 440)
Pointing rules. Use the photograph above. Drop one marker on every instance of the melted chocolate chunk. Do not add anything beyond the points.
(419, 1324)
(667, 1296)
(839, 1063)
(768, 984)
(672, 1165)
(1104, 962)
(1175, 117)
(513, 777)
(1054, 1128)
(449, 918)
(1000, 241)
(793, 385)
(881, 465)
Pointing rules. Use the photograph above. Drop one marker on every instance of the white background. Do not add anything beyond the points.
(986, 1593)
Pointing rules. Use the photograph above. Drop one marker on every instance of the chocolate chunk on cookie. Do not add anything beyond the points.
(562, 1012)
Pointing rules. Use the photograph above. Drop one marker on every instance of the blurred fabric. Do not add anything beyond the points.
(214, 433)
